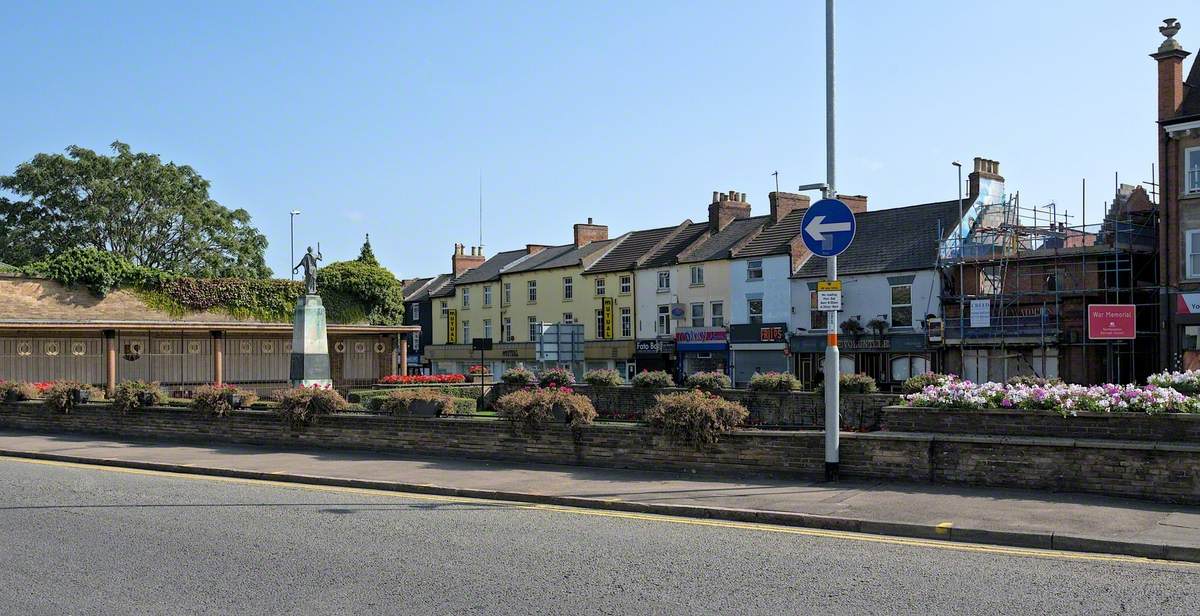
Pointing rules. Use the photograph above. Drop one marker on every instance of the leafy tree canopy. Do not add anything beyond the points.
(130, 204)
(361, 292)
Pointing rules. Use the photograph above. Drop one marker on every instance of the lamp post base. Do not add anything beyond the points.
(831, 471)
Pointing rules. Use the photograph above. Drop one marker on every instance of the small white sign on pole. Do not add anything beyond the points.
(829, 300)
(981, 313)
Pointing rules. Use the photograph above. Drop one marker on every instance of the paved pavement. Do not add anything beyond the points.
(85, 540)
(936, 507)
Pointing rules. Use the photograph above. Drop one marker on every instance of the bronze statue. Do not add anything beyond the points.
(309, 263)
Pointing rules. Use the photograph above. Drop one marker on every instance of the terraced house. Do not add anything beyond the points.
(683, 290)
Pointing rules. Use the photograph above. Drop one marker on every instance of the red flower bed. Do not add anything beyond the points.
(422, 379)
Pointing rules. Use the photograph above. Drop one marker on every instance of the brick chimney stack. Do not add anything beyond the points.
(984, 169)
(783, 203)
(1170, 56)
(586, 233)
(856, 203)
(726, 208)
(461, 262)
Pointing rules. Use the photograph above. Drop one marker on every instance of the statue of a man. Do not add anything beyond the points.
(309, 263)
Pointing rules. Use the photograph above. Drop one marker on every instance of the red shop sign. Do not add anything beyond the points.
(1112, 322)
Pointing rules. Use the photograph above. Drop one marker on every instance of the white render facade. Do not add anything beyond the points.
(705, 302)
(761, 284)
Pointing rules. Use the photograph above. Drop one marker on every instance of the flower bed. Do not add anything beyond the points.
(1068, 400)
(422, 379)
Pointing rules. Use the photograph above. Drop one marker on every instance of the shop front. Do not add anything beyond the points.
(616, 355)
(890, 359)
(654, 355)
(458, 358)
(758, 349)
(702, 349)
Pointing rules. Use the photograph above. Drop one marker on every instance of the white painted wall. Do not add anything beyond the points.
(870, 295)
(648, 298)
(774, 288)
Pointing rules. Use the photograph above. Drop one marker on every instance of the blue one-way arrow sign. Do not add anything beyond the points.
(828, 228)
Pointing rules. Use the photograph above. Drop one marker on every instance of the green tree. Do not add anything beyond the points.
(366, 255)
(358, 292)
(131, 204)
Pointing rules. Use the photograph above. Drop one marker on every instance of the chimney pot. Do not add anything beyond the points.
(728, 207)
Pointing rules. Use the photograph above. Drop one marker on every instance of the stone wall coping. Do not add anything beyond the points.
(1020, 412)
(1039, 441)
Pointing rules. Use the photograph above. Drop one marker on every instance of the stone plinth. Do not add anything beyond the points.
(310, 344)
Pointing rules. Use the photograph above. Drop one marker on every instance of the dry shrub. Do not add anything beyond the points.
(301, 406)
(695, 417)
(533, 409)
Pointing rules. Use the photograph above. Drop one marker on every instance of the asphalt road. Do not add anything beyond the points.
(83, 540)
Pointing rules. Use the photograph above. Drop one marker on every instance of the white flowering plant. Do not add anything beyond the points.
(1065, 399)
(1186, 382)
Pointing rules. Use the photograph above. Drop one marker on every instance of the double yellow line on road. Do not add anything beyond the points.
(647, 517)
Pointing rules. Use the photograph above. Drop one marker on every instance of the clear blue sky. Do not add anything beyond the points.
(380, 118)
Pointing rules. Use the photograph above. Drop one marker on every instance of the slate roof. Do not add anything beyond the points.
(442, 286)
(559, 256)
(412, 285)
(630, 247)
(666, 255)
(899, 239)
(719, 246)
(776, 238)
(490, 270)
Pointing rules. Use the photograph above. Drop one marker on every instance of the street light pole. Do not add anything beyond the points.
(832, 359)
(292, 226)
(962, 281)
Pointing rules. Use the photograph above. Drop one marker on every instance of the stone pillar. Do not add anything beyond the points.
(218, 342)
(110, 362)
(404, 354)
(310, 344)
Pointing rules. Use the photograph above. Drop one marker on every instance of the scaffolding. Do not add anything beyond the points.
(1038, 273)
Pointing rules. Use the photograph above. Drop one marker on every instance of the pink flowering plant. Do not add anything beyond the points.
(1066, 399)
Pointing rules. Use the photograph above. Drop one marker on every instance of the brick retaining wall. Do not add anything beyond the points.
(797, 409)
(1175, 427)
(1158, 471)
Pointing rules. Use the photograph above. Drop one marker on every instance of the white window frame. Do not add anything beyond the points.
(1191, 171)
(506, 333)
(664, 281)
(445, 308)
(416, 312)
(599, 324)
(487, 295)
(626, 322)
(662, 325)
(626, 284)
(466, 332)
(1191, 248)
(754, 272)
(568, 288)
(507, 294)
(700, 321)
(487, 328)
(466, 298)
(697, 275)
(717, 314)
(750, 315)
(894, 306)
(533, 324)
(601, 286)
(531, 291)
(568, 317)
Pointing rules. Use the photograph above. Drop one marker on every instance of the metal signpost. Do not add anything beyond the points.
(481, 345)
(828, 229)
